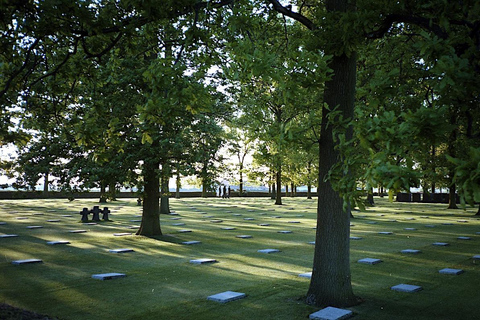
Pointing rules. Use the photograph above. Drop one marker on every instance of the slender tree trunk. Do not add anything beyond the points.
(273, 195)
(452, 139)
(178, 186)
(292, 190)
(150, 225)
(278, 198)
(452, 195)
(113, 191)
(45, 183)
(370, 197)
(286, 190)
(164, 190)
(309, 183)
(103, 192)
(241, 179)
(330, 284)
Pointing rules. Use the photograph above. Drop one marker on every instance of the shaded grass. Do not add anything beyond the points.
(162, 284)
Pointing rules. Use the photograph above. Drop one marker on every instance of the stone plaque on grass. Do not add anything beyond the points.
(175, 218)
(464, 238)
(53, 243)
(26, 261)
(307, 275)
(451, 271)
(77, 231)
(430, 226)
(108, 276)
(216, 221)
(385, 232)
(184, 231)
(8, 235)
(178, 224)
(355, 238)
(191, 242)
(203, 261)
(331, 313)
(122, 234)
(34, 227)
(264, 224)
(293, 221)
(406, 288)
(53, 220)
(369, 261)
(228, 228)
(477, 257)
(226, 296)
(2, 223)
(244, 236)
(121, 250)
(410, 229)
(440, 244)
(411, 251)
(285, 231)
(268, 250)
(248, 219)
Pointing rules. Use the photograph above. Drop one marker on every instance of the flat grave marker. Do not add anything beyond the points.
(26, 261)
(464, 238)
(451, 271)
(406, 288)
(121, 250)
(307, 275)
(355, 238)
(285, 231)
(369, 261)
(203, 261)
(56, 242)
(34, 227)
(385, 232)
(228, 228)
(411, 251)
(77, 231)
(244, 236)
(331, 313)
(8, 235)
(53, 220)
(476, 257)
(410, 229)
(2, 223)
(191, 242)
(184, 231)
(268, 250)
(226, 296)
(264, 224)
(108, 276)
(178, 224)
(440, 244)
(122, 234)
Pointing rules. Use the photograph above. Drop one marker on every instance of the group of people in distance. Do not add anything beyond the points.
(226, 192)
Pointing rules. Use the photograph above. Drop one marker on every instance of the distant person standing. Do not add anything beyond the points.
(229, 192)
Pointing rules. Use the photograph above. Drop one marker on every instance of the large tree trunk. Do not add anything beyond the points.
(103, 192)
(278, 198)
(330, 284)
(45, 183)
(273, 195)
(452, 195)
(150, 225)
(112, 191)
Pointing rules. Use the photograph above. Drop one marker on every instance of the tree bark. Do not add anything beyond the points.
(113, 191)
(330, 284)
(178, 186)
(274, 192)
(309, 184)
(45, 183)
(241, 179)
(278, 198)
(150, 225)
(452, 139)
(164, 191)
(103, 193)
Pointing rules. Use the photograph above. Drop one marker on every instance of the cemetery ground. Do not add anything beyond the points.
(162, 283)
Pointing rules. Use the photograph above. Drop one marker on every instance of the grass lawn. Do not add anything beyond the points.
(161, 283)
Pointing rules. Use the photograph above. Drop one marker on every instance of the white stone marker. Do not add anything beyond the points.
(244, 236)
(331, 313)
(2, 223)
(228, 228)
(184, 231)
(385, 232)
(406, 288)
(108, 276)
(410, 229)
(264, 224)
(248, 219)
(464, 238)
(285, 231)
(136, 220)
(369, 261)
(121, 250)
(307, 275)
(226, 296)
(268, 250)
(191, 242)
(34, 227)
(121, 234)
(8, 235)
(311, 242)
(451, 271)
(53, 220)
(77, 231)
(203, 261)
(178, 224)
(175, 218)
(355, 238)
(53, 243)
(216, 221)
(440, 244)
(412, 251)
(477, 257)
(293, 221)
(26, 261)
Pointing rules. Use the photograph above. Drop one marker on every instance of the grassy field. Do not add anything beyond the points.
(161, 282)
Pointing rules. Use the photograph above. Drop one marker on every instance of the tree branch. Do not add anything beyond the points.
(294, 15)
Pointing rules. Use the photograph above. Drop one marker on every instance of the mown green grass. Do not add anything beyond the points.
(162, 284)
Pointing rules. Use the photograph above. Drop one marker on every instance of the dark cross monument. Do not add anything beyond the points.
(85, 212)
(105, 213)
(96, 213)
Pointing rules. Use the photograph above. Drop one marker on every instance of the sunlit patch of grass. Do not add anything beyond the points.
(161, 283)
